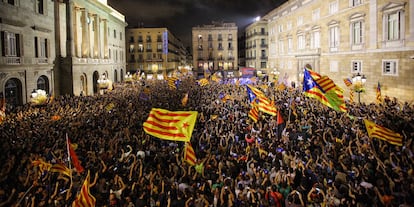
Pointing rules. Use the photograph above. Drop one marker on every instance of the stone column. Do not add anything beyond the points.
(85, 33)
(69, 28)
(96, 36)
(105, 38)
(75, 31)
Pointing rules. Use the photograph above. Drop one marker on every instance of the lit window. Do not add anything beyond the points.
(333, 7)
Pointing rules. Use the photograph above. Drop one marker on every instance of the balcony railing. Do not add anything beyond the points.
(11, 60)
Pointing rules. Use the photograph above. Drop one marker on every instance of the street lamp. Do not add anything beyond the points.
(358, 82)
(128, 77)
(103, 82)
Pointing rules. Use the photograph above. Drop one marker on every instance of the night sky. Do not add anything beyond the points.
(179, 16)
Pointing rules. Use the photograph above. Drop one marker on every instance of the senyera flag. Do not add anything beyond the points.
(380, 132)
(170, 125)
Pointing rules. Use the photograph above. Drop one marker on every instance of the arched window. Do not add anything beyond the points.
(13, 90)
(43, 83)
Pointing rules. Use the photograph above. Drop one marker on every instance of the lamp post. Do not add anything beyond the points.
(128, 77)
(103, 83)
(358, 82)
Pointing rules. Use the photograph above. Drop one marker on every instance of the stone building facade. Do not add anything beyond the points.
(90, 37)
(61, 47)
(154, 51)
(215, 49)
(27, 52)
(341, 38)
(257, 46)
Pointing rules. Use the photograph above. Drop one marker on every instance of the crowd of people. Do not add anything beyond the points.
(317, 157)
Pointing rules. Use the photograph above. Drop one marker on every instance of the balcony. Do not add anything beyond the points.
(148, 50)
(264, 45)
(11, 60)
(263, 57)
(44, 60)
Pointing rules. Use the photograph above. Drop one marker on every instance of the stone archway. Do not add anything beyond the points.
(43, 83)
(95, 77)
(13, 92)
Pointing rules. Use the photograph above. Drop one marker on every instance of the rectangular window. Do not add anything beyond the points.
(290, 44)
(210, 37)
(281, 46)
(140, 47)
(393, 26)
(356, 33)
(262, 64)
(315, 40)
(43, 48)
(333, 7)
(12, 2)
(131, 39)
(334, 37)
(280, 28)
(148, 38)
(40, 6)
(230, 37)
(355, 2)
(300, 20)
(120, 35)
(149, 46)
(390, 67)
(315, 14)
(356, 66)
(289, 25)
(10, 44)
(220, 37)
(159, 46)
(301, 42)
(114, 33)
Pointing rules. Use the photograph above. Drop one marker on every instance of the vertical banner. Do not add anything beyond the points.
(165, 42)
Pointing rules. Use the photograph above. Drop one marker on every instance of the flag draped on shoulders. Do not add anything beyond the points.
(73, 156)
(374, 130)
(189, 154)
(170, 125)
(84, 198)
(323, 89)
(264, 104)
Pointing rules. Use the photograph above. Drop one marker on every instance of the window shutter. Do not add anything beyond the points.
(36, 49)
(19, 50)
(3, 44)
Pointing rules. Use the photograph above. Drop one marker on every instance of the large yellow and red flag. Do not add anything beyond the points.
(374, 130)
(265, 105)
(84, 198)
(170, 125)
(323, 89)
(189, 154)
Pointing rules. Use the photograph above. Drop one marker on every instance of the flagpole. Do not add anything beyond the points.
(67, 147)
(24, 195)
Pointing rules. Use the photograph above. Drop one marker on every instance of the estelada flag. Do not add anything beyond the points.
(170, 125)
(189, 154)
(84, 198)
(374, 130)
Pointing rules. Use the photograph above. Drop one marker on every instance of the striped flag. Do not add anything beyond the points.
(43, 166)
(84, 198)
(264, 104)
(323, 89)
(170, 125)
(189, 154)
(374, 130)
(347, 82)
(254, 112)
(172, 82)
(73, 156)
(379, 98)
(60, 168)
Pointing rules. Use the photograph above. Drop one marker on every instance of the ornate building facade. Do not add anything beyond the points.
(90, 45)
(215, 49)
(61, 47)
(154, 51)
(343, 38)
